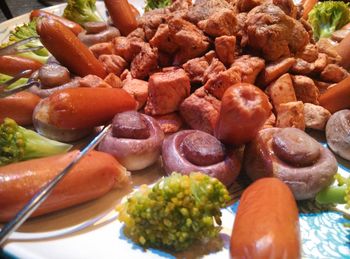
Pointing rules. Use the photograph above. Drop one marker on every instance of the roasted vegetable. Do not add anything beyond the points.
(327, 17)
(175, 212)
(18, 143)
(154, 4)
(81, 11)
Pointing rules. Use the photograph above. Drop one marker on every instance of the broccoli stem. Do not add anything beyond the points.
(332, 194)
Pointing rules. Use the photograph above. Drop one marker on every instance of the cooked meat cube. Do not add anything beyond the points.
(241, 19)
(305, 89)
(218, 83)
(93, 81)
(270, 122)
(166, 91)
(291, 115)
(189, 38)
(302, 67)
(248, 67)
(220, 23)
(334, 73)
(113, 80)
(225, 49)
(321, 62)
(316, 116)
(201, 111)
(102, 48)
(269, 30)
(150, 21)
(169, 123)
(138, 33)
(274, 70)
(195, 69)
(325, 46)
(138, 89)
(309, 53)
(288, 7)
(179, 5)
(210, 55)
(127, 48)
(247, 5)
(203, 9)
(162, 40)
(144, 63)
(215, 67)
(281, 91)
(113, 63)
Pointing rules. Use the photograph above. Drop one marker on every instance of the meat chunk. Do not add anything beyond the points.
(169, 123)
(247, 5)
(138, 89)
(334, 73)
(218, 83)
(303, 67)
(281, 91)
(325, 46)
(150, 21)
(195, 69)
(201, 111)
(219, 24)
(93, 81)
(274, 70)
(203, 9)
(225, 49)
(113, 80)
(144, 63)
(316, 116)
(127, 48)
(163, 41)
(291, 115)
(191, 41)
(305, 89)
(309, 53)
(113, 63)
(215, 67)
(172, 86)
(137, 34)
(105, 48)
(288, 7)
(269, 30)
(248, 67)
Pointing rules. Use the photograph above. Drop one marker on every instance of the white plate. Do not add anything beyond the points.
(92, 231)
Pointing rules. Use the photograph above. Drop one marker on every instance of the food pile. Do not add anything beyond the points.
(217, 87)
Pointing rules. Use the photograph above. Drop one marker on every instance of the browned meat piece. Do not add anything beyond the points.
(102, 48)
(325, 46)
(169, 123)
(201, 111)
(137, 34)
(113, 63)
(210, 55)
(215, 67)
(179, 5)
(172, 86)
(218, 83)
(219, 24)
(189, 38)
(322, 86)
(113, 80)
(305, 89)
(195, 69)
(334, 73)
(270, 122)
(274, 70)
(306, 24)
(203, 9)
(316, 116)
(144, 63)
(288, 7)
(127, 48)
(321, 62)
(291, 115)
(309, 53)
(150, 21)
(248, 67)
(269, 30)
(225, 49)
(247, 5)
(241, 19)
(138, 89)
(125, 75)
(162, 40)
(281, 91)
(303, 67)
(93, 81)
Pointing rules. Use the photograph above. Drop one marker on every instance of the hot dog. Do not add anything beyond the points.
(68, 49)
(266, 223)
(81, 108)
(19, 107)
(74, 27)
(122, 15)
(12, 65)
(96, 174)
(308, 5)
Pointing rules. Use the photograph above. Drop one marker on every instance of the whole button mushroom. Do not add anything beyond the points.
(292, 156)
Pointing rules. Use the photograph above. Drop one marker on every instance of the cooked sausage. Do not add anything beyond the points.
(12, 65)
(51, 75)
(68, 49)
(106, 35)
(266, 223)
(95, 27)
(19, 107)
(130, 125)
(96, 174)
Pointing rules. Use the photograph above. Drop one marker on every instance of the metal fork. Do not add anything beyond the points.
(15, 48)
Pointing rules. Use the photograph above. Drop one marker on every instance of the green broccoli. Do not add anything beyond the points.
(81, 11)
(18, 143)
(177, 211)
(327, 17)
(154, 4)
(4, 78)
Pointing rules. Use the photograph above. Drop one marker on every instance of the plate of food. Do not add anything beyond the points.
(229, 129)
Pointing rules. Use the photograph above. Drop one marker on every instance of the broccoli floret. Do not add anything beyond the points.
(327, 17)
(81, 11)
(177, 211)
(18, 143)
(4, 78)
(154, 4)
